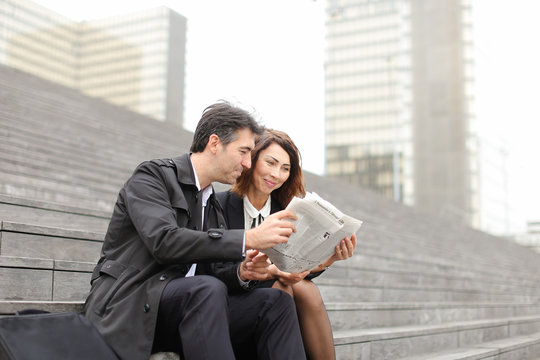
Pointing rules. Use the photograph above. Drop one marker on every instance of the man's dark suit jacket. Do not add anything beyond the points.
(153, 236)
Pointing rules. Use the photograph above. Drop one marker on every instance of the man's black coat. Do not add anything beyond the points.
(154, 236)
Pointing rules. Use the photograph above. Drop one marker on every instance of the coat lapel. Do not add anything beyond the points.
(235, 211)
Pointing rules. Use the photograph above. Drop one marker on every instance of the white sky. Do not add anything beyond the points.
(507, 93)
(269, 54)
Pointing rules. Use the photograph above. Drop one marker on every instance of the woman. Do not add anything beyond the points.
(274, 178)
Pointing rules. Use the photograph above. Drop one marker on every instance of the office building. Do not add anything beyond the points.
(400, 103)
(531, 238)
(134, 60)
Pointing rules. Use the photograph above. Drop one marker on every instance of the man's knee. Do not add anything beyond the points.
(211, 285)
(196, 287)
(278, 303)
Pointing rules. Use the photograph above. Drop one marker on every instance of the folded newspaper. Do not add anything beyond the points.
(319, 228)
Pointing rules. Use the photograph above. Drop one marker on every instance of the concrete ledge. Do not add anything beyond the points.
(46, 152)
(51, 190)
(30, 279)
(347, 316)
(517, 348)
(50, 247)
(50, 231)
(400, 342)
(52, 206)
(336, 290)
(52, 218)
(11, 307)
(389, 333)
(46, 264)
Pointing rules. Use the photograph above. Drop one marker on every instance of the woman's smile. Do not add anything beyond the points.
(270, 183)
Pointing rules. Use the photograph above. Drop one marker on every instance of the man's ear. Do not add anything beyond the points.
(213, 143)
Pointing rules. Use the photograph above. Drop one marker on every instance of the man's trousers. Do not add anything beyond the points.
(198, 319)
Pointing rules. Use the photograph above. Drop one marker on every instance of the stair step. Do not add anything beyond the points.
(342, 290)
(362, 315)
(44, 279)
(44, 217)
(50, 190)
(52, 206)
(407, 341)
(64, 176)
(406, 276)
(367, 263)
(11, 307)
(40, 149)
(23, 240)
(518, 348)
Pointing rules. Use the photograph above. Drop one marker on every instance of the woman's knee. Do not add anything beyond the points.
(307, 292)
(286, 288)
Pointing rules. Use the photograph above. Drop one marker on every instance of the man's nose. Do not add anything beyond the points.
(246, 162)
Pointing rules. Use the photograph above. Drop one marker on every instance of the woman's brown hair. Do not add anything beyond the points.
(294, 186)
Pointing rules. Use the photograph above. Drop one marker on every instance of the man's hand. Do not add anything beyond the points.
(274, 230)
(254, 267)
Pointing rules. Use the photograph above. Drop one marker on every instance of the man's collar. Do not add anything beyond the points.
(185, 171)
(187, 175)
(207, 191)
(197, 182)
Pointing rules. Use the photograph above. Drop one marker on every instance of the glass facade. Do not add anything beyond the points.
(399, 106)
(368, 93)
(38, 41)
(532, 237)
(135, 60)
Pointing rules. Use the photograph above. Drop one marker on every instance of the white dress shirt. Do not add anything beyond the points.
(205, 196)
(251, 214)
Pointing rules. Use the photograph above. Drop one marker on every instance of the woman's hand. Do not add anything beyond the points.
(254, 267)
(343, 251)
(287, 278)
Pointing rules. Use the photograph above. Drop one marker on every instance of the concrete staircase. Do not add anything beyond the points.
(425, 287)
(419, 287)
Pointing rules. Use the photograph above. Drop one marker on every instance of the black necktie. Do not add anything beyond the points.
(254, 222)
(198, 220)
(206, 213)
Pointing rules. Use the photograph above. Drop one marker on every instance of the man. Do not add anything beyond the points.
(144, 297)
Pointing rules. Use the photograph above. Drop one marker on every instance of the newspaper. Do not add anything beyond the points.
(319, 228)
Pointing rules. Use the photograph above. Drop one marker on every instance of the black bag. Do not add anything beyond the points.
(51, 336)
